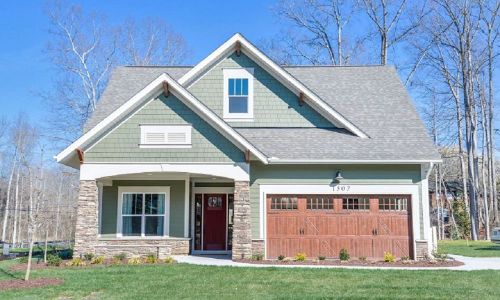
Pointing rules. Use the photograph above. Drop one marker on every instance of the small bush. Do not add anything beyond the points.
(121, 256)
(362, 258)
(405, 258)
(76, 262)
(169, 260)
(388, 257)
(257, 256)
(439, 255)
(88, 256)
(300, 257)
(53, 260)
(134, 261)
(321, 257)
(23, 260)
(98, 260)
(344, 255)
(116, 261)
(151, 259)
(281, 257)
(65, 254)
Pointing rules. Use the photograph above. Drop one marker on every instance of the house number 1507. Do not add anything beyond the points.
(342, 188)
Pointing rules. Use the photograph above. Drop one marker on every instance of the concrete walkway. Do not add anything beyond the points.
(470, 263)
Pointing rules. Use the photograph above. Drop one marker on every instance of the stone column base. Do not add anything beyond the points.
(421, 249)
(258, 247)
(162, 248)
(242, 231)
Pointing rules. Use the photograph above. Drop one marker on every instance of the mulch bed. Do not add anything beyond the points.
(21, 284)
(34, 266)
(367, 263)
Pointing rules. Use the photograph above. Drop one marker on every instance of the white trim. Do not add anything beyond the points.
(165, 130)
(277, 161)
(245, 73)
(151, 90)
(186, 207)
(365, 189)
(213, 190)
(143, 189)
(165, 146)
(278, 72)
(100, 193)
(238, 172)
(426, 169)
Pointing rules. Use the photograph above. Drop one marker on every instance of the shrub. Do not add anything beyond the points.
(121, 256)
(362, 258)
(300, 257)
(169, 260)
(76, 262)
(88, 256)
(23, 260)
(321, 257)
(405, 258)
(98, 260)
(439, 255)
(53, 260)
(134, 261)
(257, 256)
(344, 255)
(65, 254)
(151, 259)
(388, 257)
(281, 257)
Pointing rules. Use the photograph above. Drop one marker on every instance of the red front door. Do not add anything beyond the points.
(214, 223)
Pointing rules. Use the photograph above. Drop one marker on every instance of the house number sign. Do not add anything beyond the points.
(341, 188)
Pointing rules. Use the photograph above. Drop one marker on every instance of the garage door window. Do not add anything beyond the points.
(284, 203)
(355, 204)
(393, 204)
(319, 202)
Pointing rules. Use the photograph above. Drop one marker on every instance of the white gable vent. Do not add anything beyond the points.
(165, 136)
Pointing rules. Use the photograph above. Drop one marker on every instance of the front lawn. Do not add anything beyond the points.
(471, 248)
(202, 282)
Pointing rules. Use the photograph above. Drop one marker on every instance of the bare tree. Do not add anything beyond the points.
(82, 49)
(391, 23)
(151, 42)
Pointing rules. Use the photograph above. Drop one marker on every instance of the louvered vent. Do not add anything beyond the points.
(176, 138)
(165, 136)
(155, 138)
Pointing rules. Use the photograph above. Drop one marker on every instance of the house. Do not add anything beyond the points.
(240, 155)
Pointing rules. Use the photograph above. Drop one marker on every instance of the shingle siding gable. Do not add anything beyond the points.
(122, 144)
(274, 104)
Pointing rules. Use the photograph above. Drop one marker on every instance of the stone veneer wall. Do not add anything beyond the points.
(162, 247)
(258, 246)
(422, 251)
(242, 231)
(86, 218)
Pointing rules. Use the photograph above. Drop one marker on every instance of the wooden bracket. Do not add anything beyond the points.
(247, 156)
(80, 155)
(166, 92)
(301, 99)
(238, 49)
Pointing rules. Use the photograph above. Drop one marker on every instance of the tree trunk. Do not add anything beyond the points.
(7, 202)
(16, 210)
(45, 250)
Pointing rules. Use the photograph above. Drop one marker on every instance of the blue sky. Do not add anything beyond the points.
(25, 70)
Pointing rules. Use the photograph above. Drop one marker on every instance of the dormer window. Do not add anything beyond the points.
(238, 94)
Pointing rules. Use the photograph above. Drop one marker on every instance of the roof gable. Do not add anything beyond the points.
(152, 90)
(274, 105)
(238, 42)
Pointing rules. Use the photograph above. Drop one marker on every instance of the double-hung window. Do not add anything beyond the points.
(238, 94)
(143, 213)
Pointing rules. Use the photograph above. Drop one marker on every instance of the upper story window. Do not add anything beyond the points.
(165, 136)
(238, 94)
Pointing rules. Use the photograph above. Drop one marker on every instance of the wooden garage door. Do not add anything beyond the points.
(321, 225)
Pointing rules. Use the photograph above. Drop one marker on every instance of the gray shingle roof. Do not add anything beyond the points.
(371, 97)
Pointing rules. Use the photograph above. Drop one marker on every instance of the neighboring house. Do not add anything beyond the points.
(240, 155)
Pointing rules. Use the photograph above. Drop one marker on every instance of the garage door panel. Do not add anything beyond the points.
(365, 232)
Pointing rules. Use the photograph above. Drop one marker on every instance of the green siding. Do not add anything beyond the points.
(122, 144)
(110, 204)
(274, 104)
(324, 174)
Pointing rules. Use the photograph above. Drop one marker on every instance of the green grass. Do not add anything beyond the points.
(207, 282)
(471, 248)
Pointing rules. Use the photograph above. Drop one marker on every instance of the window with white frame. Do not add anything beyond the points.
(238, 94)
(165, 136)
(143, 213)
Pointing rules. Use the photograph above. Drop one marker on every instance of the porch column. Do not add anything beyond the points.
(86, 218)
(242, 231)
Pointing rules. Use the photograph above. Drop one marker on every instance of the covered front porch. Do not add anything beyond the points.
(164, 210)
